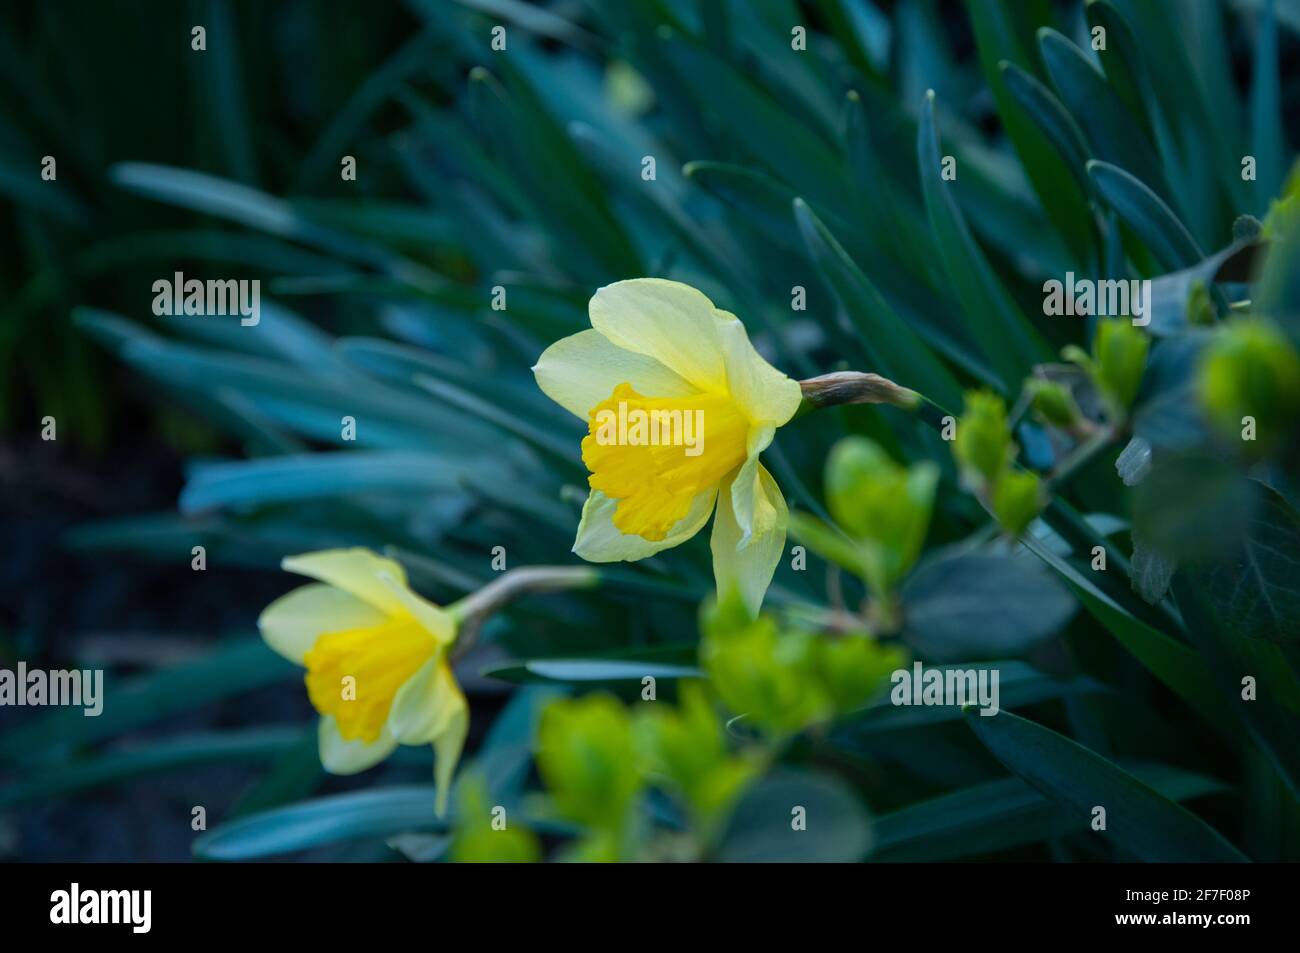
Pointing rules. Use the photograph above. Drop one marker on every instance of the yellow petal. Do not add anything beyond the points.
(746, 567)
(431, 709)
(354, 675)
(435, 620)
(446, 753)
(671, 322)
(425, 704)
(753, 512)
(656, 455)
(339, 756)
(580, 371)
(292, 624)
(364, 574)
(599, 541)
(765, 394)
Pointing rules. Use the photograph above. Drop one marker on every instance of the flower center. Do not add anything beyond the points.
(354, 674)
(654, 455)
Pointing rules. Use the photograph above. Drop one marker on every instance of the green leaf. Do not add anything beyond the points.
(618, 665)
(666, 202)
(502, 760)
(761, 829)
(1113, 132)
(1123, 62)
(230, 670)
(1179, 667)
(982, 604)
(534, 19)
(1266, 119)
(327, 820)
(294, 776)
(322, 475)
(222, 92)
(1247, 596)
(1170, 292)
(1255, 590)
(885, 212)
(1169, 660)
(893, 347)
(771, 134)
(1195, 112)
(1139, 820)
(537, 151)
(1270, 715)
(248, 206)
(1193, 505)
(1151, 570)
(1019, 685)
(155, 757)
(762, 199)
(1147, 214)
(1006, 337)
(1005, 41)
(25, 186)
(403, 363)
(1052, 118)
(998, 815)
(313, 407)
(1168, 415)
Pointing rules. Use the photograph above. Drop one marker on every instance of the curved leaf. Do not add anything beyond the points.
(998, 815)
(1113, 132)
(838, 827)
(981, 604)
(1139, 820)
(894, 348)
(322, 475)
(1051, 117)
(1006, 337)
(1147, 214)
(321, 821)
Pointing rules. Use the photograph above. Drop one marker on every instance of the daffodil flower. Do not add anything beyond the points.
(658, 345)
(376, 660)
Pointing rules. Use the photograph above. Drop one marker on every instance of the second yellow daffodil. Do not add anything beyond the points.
(661, 349)
(376, 660)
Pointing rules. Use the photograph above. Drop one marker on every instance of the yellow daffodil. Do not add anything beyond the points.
(661, 350)
(376, 660)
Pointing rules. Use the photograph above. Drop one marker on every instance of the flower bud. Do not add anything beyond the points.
(1054, 403)
(1120, 351)
(1016, 500)
(983, 444)
(1250, 370)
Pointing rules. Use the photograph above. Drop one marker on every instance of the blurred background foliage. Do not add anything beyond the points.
(775, 168)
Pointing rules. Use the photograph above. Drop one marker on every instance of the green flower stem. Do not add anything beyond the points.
(472, 611)
(884, 613)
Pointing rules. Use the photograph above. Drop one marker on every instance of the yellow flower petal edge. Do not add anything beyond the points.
(744, 566)
(660, 351)
(376, 659)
